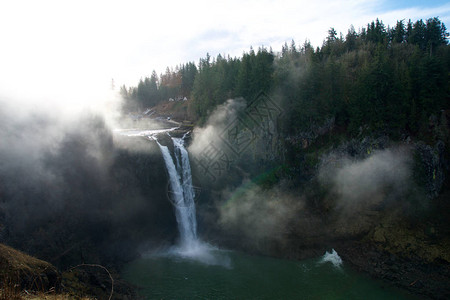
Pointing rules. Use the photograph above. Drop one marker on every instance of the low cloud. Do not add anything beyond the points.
(258, 213)
(365, 184)
(219, 119)
(67, 183)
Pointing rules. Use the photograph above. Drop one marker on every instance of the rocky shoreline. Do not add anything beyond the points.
(430, 280)
(426, 280)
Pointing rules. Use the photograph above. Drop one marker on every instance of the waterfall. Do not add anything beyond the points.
(182, 197)
(182, 192)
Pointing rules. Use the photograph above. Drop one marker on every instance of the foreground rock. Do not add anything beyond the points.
(25, 277)
(18, 268)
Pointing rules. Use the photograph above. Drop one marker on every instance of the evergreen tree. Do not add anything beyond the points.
(377, 80)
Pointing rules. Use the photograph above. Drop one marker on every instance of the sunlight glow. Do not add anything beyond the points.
(68, 52)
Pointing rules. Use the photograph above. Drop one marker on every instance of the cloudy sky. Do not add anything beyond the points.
(67, 50)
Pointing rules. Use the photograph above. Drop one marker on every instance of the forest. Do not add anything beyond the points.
(378, 79)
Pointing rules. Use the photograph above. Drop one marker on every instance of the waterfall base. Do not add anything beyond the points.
(198, 252)
(203, 253)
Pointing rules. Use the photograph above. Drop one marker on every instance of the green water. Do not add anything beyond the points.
(234, 275)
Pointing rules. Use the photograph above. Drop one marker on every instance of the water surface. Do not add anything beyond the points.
(234, 275)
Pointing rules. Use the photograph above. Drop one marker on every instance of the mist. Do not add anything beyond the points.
(222, 116)
(345, 191)
(257, 213)
(366, 184)
(70, 187)
(243, 207)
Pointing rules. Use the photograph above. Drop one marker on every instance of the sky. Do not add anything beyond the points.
(69, 51)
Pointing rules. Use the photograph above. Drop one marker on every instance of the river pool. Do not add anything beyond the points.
(218, 274)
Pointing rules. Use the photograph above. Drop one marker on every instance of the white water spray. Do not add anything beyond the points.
(333, 258)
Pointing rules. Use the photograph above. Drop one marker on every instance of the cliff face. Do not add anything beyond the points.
(382, 203)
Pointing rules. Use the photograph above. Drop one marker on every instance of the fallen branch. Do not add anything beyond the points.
(413, 283)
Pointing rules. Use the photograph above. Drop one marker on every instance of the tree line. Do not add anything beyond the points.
(152, 90)
(387, 79)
